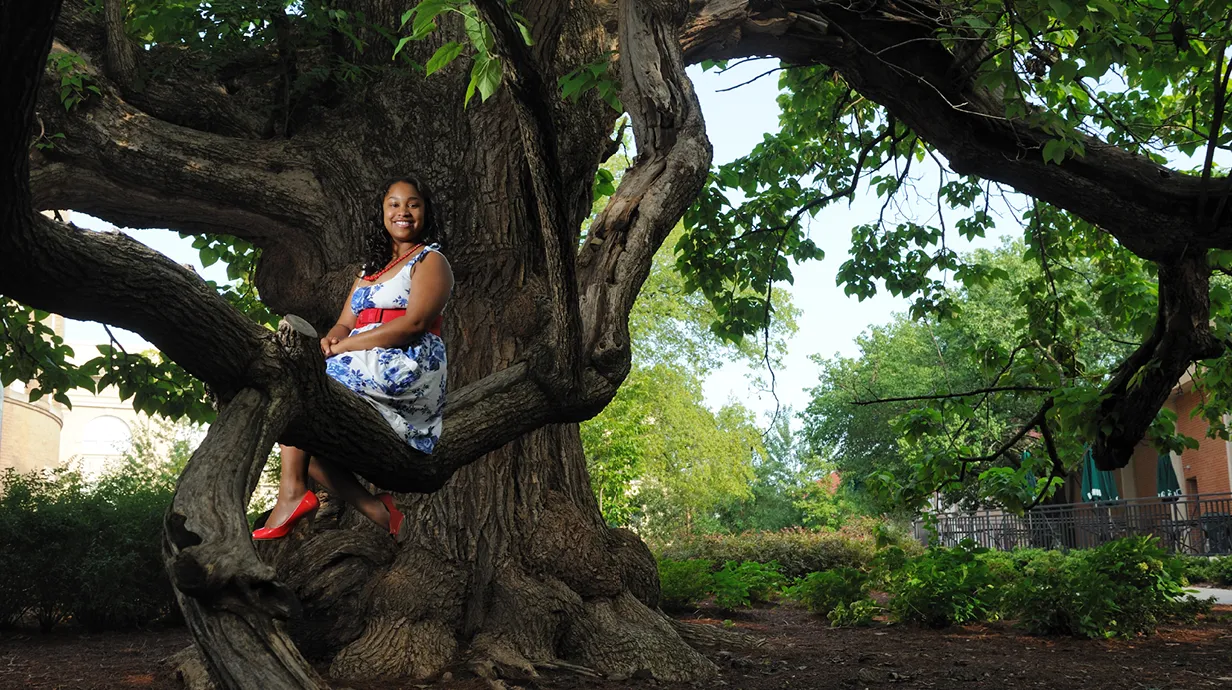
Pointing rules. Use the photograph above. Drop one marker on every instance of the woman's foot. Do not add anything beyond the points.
(394, 516)
(285, 514)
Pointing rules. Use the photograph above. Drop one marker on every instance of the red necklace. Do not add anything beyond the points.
(372, 278)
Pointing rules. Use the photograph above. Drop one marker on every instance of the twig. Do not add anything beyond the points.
(1038, 419)
(750, 81)
(951, 396)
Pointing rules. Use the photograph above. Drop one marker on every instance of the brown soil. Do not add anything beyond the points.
(800, 652)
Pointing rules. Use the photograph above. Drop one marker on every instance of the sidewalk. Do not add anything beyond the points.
(1222, 596)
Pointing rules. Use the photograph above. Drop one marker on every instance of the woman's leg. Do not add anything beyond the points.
(344, 485)
(292, 484)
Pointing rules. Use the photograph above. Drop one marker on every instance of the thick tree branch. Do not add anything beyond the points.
(182, 93)
(121, 55)
(531, 98)
(1150, 209)
(213, 564)
(118, 162)
(1144, 380)
(673, 158)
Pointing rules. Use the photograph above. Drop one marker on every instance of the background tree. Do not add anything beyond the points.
(912, 413)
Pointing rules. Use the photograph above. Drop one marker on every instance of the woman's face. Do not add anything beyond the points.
(404, 212)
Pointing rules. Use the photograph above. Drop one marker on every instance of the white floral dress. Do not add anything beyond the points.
(407, 386)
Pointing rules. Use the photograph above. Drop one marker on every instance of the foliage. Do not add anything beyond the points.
(746, 583)
(944, 586)
(684, 583)
(898, 453)
(1078, 72)
(1216, 570)
(30, 350)
(658, 457)
(76, 85)
(797, 550)
(1122, 588)
(841, 595)
(90, 553)
(684, 458)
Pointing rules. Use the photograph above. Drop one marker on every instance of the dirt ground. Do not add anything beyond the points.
(800, 651)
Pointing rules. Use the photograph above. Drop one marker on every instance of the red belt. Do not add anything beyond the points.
(370, 316)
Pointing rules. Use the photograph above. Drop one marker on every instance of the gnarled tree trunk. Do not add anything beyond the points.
(508, 564)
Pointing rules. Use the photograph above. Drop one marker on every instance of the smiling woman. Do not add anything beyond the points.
(387, 347)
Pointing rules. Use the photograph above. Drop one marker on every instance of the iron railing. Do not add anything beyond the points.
(1199, 524)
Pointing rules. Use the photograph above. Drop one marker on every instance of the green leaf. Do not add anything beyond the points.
(1054, 151)
(485, 77)
(401, 44)
(443, 56)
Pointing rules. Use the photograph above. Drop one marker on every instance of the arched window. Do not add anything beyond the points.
(105, 435)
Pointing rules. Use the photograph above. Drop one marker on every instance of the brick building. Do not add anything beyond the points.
(44, 434)
(1206, 469)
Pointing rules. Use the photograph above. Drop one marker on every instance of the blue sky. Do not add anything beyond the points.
(736, 121)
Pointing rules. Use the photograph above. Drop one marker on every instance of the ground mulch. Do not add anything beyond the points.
(800, 651)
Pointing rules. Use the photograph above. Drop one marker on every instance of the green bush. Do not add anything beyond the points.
(798, 551)
(1121, 588)
(89, 553)
(944, 587)
(856, 614)
(743, 584)
(684, 583)
(1212, 570)
(841, 595)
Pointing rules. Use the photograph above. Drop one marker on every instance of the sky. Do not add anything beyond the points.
(736, 121)
(829, 322)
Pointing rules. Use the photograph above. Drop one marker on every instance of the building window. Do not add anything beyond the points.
(105, 435)
(1191, 485)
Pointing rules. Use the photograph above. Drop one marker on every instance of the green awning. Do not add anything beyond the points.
(1165, 477)
(1097, 485)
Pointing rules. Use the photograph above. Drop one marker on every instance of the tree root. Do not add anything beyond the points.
(700, 634)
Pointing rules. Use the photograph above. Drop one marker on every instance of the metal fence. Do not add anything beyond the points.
(1199, 524)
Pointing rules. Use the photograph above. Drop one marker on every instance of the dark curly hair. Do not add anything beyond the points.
(378, 246)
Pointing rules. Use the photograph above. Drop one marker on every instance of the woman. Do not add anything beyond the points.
(386, 347)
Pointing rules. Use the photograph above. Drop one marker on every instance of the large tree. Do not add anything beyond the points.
(276, 129)
(281, 139)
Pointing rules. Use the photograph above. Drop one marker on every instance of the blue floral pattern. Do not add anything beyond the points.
(407, 386)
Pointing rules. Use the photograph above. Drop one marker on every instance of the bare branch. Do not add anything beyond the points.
(952, 396)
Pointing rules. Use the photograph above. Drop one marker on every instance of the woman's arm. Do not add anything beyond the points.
(431, 283)
(345, 324)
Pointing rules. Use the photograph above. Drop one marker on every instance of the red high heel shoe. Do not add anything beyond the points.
(306, 505)
(395, 515)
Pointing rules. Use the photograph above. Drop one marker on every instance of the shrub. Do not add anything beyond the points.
(90, 553)
(856, 614)
(737, 585)
(798, 551)
(841, 595)
(1213, 570)
(1121, 588)
(944, 587)
(121, 573)
(683, 583)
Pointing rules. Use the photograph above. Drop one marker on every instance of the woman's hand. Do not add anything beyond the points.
(327, 345)
(340, 345)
